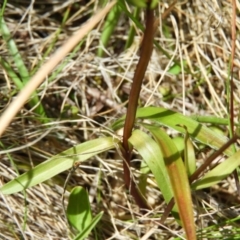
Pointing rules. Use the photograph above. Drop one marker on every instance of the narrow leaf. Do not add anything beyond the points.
(189, 154)
(58, 164)
(108, 28)
(171, 119)
(12, 47)
(152, 155)
(21, 68)
(218, 173)
(178, 178)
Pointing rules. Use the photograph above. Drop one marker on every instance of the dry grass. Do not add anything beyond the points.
(98, 90)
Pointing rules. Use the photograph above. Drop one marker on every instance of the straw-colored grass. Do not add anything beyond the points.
(89, 92)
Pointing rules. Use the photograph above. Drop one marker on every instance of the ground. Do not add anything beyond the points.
(83, 97)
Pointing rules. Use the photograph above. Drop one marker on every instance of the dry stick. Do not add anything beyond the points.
(146, 51)
(39, 77)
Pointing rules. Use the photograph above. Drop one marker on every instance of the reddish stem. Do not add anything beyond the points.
(146, 51)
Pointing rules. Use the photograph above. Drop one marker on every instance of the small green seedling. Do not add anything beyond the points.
(79, 213)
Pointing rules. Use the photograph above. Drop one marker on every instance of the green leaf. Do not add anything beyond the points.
(218, 173)
(138, 24)
(144, 169)
(138, 3)
(58, 164)
(13, 50)
(151, 154)
(88, 229)
(171, 119)
(78, 210)
(211, 119)
(154, 4)
(108, 28)
(189, 154)
(132, 30)
(175, 69)
(21, 68)
(178, 178)
(180, 144)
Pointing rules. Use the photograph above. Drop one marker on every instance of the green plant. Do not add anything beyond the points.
(23, 75)
(79, 213)
(159, 152)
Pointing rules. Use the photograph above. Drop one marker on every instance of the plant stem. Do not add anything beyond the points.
(146, 51)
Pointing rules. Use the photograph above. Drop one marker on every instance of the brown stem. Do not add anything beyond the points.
(146, 51)
(196, 174)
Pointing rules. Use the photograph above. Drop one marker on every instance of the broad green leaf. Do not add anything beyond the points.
(151, 154)
(78, 210)
(172, 119)
(58, 164)
(178, 178)
(88, 229)
(218, 173)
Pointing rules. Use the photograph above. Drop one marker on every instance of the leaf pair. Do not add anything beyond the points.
(165, 162)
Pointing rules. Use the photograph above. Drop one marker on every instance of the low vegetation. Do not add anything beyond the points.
(119, 120)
